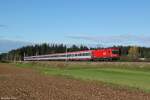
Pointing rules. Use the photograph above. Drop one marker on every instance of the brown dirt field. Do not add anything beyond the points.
(26, 84)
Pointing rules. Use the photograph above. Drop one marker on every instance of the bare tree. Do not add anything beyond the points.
(133, 52)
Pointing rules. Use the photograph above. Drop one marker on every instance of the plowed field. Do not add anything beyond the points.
(27, 84)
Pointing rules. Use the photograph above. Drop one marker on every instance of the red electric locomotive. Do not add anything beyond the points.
(106, 54)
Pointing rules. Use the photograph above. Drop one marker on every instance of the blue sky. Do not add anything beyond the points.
(109, 22)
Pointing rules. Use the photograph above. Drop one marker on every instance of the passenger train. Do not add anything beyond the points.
(99, 54)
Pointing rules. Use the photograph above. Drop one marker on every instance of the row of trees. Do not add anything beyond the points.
(127, 52)
(39, 49)
(134, 53)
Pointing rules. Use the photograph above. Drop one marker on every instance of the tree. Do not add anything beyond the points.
(133, 52)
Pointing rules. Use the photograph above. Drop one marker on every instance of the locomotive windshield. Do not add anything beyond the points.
(115, 51)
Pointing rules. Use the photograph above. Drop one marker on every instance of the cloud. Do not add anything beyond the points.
(7, 45)
(124, 39)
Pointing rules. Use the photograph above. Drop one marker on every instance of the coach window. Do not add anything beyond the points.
(71, 55)
(88, 54)
(82, 54)
(55, 55)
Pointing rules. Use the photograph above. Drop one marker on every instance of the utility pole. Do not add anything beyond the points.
(24, 54)
(66, 54)
(36, 53)
(14, 58)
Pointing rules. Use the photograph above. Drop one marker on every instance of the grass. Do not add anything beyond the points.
(122, 75)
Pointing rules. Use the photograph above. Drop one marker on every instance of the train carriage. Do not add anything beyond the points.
(99, 54)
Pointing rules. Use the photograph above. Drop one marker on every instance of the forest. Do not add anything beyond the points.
(127, 53)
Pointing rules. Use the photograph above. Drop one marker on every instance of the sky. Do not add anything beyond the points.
(99, 22)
